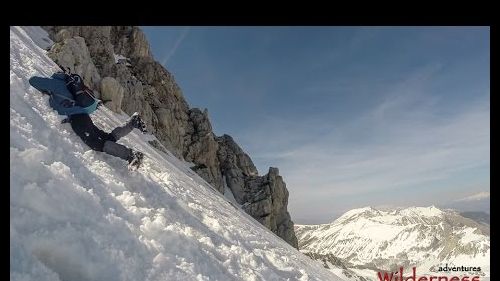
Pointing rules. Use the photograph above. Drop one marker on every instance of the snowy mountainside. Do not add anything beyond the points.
(366, 240)
(78, 214)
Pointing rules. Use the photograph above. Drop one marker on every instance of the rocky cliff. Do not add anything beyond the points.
(117, 63)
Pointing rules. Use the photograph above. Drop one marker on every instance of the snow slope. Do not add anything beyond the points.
(77, 214)
(367, 240)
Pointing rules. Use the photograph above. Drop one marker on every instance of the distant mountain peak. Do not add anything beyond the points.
(366, 240)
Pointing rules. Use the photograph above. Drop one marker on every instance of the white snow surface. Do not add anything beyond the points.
(77, 214)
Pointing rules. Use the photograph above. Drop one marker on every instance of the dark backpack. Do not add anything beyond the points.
(83, 96)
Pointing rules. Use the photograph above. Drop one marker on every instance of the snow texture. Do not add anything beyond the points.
(77, 214)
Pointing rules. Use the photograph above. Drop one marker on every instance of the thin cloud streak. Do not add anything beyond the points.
(176, 45)
(476, 196)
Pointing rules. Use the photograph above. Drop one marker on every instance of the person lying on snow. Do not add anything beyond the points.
(78, 111)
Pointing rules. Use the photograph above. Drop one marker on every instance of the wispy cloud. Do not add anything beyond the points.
(477, 196)
(177, 43)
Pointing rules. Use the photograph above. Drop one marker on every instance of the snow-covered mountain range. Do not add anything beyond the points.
(77, 214)
(366, 240)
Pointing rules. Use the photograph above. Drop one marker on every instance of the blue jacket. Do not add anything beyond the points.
(63, 101)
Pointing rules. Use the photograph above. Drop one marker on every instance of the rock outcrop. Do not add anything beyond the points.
(263, 197)
(73, 53)
(112, 91)
(202, 148)
(236, 166)
(134, 81)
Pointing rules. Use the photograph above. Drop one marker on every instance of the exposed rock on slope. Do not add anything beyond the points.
(112, 90)
(74, 54)
(122, 53)
(264, 197)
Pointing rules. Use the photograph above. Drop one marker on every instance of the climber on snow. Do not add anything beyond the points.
(78, 108)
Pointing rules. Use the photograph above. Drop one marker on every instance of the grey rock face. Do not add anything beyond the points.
(232, 155)
(134, 95)
(72, 53)
(112, 90)
(97, 39)
(270, 194)
(202, 148)
(236, 166)
(62, 35)
(129, 41)
(139, 83)
(263, 197)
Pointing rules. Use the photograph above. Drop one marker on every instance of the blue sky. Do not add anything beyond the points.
(352, 116)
